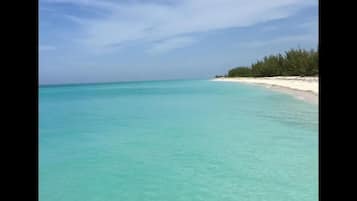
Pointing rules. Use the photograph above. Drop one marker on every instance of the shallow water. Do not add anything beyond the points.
(176, 140)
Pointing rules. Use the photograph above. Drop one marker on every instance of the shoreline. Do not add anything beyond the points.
(302, 88)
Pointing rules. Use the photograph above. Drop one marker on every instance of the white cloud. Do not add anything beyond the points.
(286, 39)
(75, 19)
(170, 44)
(148, 22)
(87, 3)
(269, 28)
(311, 25)
(46, 47)
(46, 9)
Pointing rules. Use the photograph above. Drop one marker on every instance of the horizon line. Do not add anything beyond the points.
(115, 82)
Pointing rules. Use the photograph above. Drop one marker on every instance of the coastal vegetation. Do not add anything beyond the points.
(295, 62)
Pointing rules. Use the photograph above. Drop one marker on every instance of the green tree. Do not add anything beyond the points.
(295, 62)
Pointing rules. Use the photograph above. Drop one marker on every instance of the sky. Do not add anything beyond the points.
(86, 41)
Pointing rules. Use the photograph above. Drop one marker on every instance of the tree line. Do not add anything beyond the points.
(295, 62)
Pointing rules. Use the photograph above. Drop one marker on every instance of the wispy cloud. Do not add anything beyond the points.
(46, 9)
(170, 44)
(152, 21)
(287, 39)
(311, 25)
(46, 47)
(105, 4)
(75, 19)
(269, 28)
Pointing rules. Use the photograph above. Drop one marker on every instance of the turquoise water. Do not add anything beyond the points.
(176, 140)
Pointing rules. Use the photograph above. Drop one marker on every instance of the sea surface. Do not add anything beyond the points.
(183, 140)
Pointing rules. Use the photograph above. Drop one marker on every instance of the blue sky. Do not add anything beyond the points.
(83, 41)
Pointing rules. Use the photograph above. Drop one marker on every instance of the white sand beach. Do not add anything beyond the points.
(304, 88)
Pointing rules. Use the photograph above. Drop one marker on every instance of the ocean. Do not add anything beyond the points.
(181, 140)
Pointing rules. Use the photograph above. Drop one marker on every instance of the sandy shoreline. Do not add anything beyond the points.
(303, 88)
